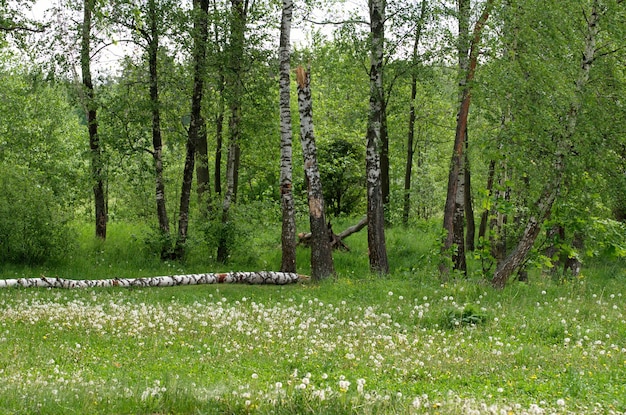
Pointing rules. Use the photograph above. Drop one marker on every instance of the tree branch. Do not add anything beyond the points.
(335, 22)
(18, 27)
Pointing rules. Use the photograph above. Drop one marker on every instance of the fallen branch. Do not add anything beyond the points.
(262, 277)
(336, 240)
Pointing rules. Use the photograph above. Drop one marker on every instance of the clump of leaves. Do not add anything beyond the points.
(468, 316)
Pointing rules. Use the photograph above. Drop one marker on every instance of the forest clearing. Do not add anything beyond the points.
(406, 343)
(422, 204)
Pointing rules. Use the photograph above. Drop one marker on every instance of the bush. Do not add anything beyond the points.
(33, 226)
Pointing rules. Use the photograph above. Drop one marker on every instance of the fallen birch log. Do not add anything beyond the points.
(262, 277)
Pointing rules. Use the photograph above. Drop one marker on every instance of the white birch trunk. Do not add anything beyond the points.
(287, 201)
(321, 252)
(261, 277)
(375, 212)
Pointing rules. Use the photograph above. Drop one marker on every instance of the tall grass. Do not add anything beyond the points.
(355, 344)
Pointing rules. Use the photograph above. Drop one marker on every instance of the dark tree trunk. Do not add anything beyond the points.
(235, 86)
(458, 240)
(455, 199)
(97, 168)
(410, 151)
(219, 117)
(322, 265)
(157, 142)
(288, 234)
(470, 234)
(410, 146)
(200, 35)
(384, 154)
(219, 138)
(185, 196)
(375, 212)
(196, 126)
(484, 217)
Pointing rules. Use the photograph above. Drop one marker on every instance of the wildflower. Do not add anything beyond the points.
(255, 376)
(360, 383)
(560, 402)
(344, 385)
(417, 402)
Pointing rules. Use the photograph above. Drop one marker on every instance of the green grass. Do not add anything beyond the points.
(359, 344)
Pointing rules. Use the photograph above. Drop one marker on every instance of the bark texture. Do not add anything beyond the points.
(197, 125)
(235, 86)
(454, 210)
(288, 235)
(97, 169)
(375, 211)
(157, 141)
(410, 146)
(564, 144)
(261, 277)
(322, 265)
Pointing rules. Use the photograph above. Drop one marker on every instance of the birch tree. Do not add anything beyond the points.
(197, 129)
(410, 144)
(234, 84)
(200, 17)
(563, 140)
(152, 35)
(261, 277)
(321, 252)
(97, 165)
(288, 235)
(375, 212)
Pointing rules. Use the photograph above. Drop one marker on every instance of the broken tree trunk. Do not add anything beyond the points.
(336, 240)
(321, 254)
(261, 277)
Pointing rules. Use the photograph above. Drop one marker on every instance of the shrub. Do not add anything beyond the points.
(33, 226)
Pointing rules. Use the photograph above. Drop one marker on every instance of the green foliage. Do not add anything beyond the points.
(468, 316)
(341, 169)
(33, 227)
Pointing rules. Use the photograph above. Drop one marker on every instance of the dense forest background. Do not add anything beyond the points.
(167, 113)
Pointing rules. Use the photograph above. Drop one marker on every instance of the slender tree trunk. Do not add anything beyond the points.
(410, 151)
(237, 32)
(455, 199)
(185, 196)
(219, 136)
(375, 211)
(564, 143)
(384, 153)
(458, 240)
(288, 235)
(219, 117)
(410, 146)
(157, 141)
(484, 217)
(322, 265)
(197, 128)
(470, 234)
(497, 235)
(97, 173)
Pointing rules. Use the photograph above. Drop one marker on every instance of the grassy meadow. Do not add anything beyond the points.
(359, 344)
